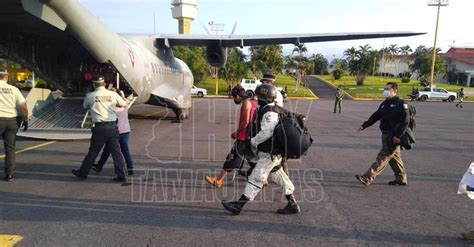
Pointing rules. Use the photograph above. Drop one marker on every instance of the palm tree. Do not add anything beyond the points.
(301, 49)
(405, 51)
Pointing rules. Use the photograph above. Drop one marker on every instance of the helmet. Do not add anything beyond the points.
(266, 92)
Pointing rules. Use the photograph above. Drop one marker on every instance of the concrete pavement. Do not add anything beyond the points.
(169, 204)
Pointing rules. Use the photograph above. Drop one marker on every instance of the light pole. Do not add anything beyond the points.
(217, 27)
(438, 3)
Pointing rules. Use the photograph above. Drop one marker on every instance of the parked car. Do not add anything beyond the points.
(435, 93)
(200, 92)
(251, 84)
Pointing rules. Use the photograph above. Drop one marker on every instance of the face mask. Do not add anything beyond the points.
(262, 102)
(386, 93)
(236, 101)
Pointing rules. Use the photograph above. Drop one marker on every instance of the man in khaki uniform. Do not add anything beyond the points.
(394, 118)
(11, 101)
(338, 103)
(102, 103)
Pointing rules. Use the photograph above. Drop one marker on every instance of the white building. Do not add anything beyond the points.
(460, 61)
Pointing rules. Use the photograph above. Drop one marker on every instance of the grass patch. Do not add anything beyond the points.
(282, 81)
(373, 86)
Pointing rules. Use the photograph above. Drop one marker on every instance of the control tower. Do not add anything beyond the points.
(184, 11)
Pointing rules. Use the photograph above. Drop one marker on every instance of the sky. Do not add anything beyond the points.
(302, 16)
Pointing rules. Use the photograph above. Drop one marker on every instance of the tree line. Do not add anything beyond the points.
(358, 62)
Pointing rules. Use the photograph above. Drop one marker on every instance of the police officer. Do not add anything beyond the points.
(11, 101)
(101, 104)
(339, 96)
(268, 118)
(394, 118)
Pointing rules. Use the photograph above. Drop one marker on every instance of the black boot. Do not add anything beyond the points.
(235, 207)
(291, 208)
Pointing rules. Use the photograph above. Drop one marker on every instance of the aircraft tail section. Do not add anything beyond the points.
(103, 44)
(44, 13)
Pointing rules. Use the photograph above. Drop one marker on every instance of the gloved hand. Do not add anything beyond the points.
(24, 125)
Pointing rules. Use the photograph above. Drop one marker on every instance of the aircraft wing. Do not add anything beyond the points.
(255, 40)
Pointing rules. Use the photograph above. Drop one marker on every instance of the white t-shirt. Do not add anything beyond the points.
(101, 104)
(10, 100)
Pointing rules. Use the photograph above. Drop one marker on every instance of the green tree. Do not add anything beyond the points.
(320, 64)
(290, 63)
(422, 59)
(195, 58)
(267, 58)
(236, 67)
(360, 62)
(405, 52)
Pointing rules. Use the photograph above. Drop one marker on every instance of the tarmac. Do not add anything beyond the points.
(168, 203)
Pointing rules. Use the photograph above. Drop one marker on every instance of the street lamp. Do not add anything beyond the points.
(216, 27)
(438, 3)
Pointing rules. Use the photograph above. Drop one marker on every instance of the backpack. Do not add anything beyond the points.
(291, 137)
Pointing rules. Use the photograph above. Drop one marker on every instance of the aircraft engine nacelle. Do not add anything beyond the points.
(216, 55)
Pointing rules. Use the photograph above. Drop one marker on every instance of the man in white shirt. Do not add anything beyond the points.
(11, 102)
(101, 104)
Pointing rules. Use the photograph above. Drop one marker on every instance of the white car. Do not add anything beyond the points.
(251, 84)
(200, 92)
(435, 93)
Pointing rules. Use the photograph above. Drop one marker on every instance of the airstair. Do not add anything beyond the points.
(56, 118)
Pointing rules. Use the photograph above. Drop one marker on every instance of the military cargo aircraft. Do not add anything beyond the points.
(65, 44)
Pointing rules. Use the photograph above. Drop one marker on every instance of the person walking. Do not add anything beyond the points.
(124, 134)
(12, 108)
(394, 118)
(271, 79)
(238, 152)
(267, 119)
(460, 97)
(339, 96)
(101, 103)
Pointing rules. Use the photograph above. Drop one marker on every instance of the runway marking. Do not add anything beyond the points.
(51, 142)
(9, 240)
(156, 112)
(153, 113)
(30, 148)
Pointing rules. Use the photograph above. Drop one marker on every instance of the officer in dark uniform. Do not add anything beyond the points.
(394, 118)
(101, 104)
(11, 102)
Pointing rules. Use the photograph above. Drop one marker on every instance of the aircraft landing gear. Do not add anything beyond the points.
(181, 114)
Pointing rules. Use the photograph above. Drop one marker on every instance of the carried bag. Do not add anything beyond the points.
(291, 137)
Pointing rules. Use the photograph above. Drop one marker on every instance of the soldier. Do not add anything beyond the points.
(267, 119)
(339, 96)
(460, 97)
(101, 103)
(11, 100)
(271, 79)
(394, 118)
